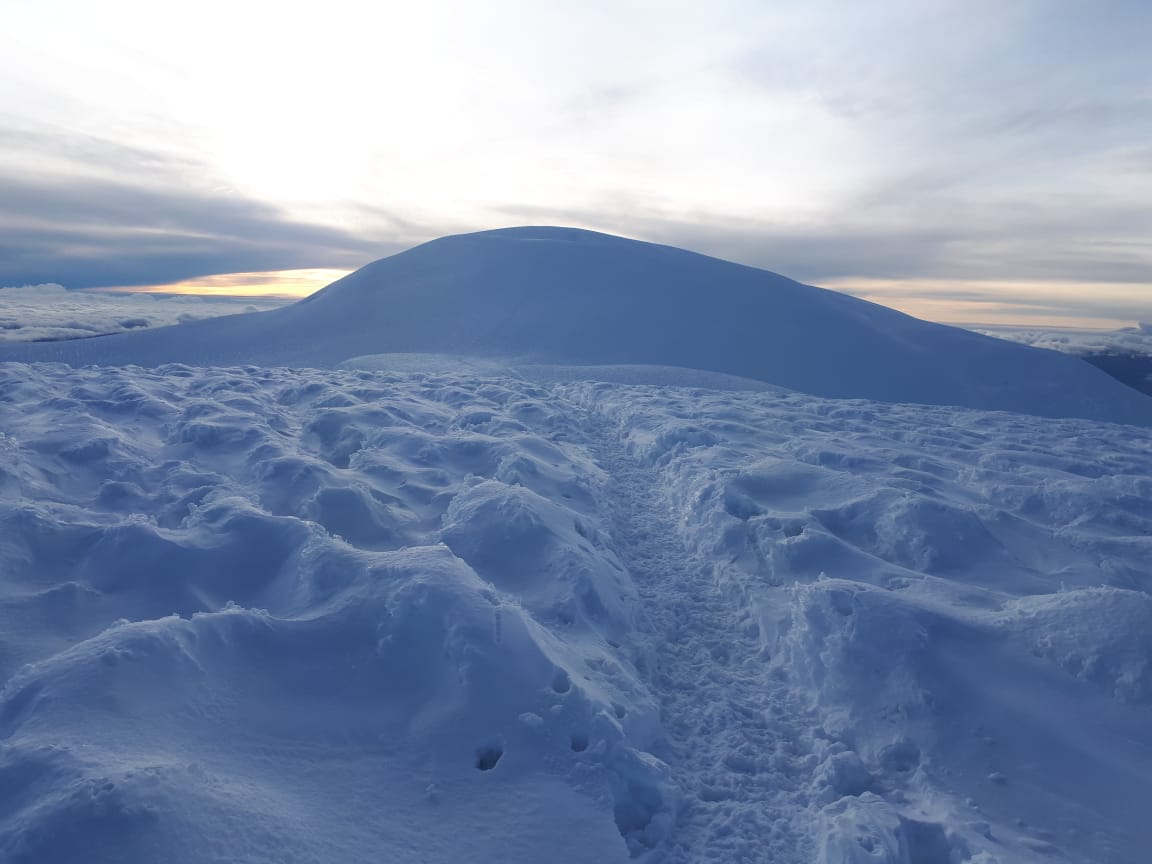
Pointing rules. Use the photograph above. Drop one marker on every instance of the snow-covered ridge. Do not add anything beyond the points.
(321, 616)
(567, 296)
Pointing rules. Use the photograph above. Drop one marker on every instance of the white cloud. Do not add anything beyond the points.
(49, 311)
(1129, 340)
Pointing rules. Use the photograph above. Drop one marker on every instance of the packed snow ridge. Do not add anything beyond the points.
(540, 605)
(568, 296)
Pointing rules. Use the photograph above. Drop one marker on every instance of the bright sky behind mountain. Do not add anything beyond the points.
(993, 156)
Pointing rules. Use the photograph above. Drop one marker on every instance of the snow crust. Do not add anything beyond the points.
(562, 296)
(269, 614)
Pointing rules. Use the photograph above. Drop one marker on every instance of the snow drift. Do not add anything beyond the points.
(325, 616)
(567, 296)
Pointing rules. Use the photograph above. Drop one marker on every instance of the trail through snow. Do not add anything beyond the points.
(739, 745)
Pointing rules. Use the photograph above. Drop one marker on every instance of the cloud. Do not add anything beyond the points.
(50, 312)
(91, 213)
(74, 153)
(277, 283)
(1130, 340)
(1003, 141)
(999, 271)
(1017, 243)
(972, 303)
(88, 233)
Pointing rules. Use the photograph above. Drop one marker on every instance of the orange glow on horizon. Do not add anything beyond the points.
(290, 284)
(961, 302)
(994, 303)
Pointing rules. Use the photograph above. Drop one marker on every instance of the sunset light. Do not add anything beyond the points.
(274, 283)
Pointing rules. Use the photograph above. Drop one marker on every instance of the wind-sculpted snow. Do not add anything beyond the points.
(962, 598)
(271, 615)
(262, 614)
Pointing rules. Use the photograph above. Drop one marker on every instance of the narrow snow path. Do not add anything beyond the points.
(739, 748)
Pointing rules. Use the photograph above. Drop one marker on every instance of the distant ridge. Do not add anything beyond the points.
(570, 296)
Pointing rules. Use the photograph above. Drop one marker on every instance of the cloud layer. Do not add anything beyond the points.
(1130, 340)
(98, 214)
(49, 312)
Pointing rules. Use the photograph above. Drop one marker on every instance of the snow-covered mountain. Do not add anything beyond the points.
(567, 296)
(522, 608)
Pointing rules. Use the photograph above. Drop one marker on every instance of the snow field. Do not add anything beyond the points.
(274, 615)
(960, 597)
(263, 614)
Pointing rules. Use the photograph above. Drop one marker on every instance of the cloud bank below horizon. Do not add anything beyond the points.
(49, 312)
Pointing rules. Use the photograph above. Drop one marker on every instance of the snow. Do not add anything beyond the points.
(258, 614)
(962, 596)
(561, 296)
(436, 609)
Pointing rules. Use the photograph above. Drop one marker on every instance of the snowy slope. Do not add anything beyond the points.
(256, 615)
(564, 296)
(611, 588)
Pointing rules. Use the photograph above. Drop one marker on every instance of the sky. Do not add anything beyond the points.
(965, 160)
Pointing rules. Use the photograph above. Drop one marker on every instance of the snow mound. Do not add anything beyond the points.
(561, 296)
